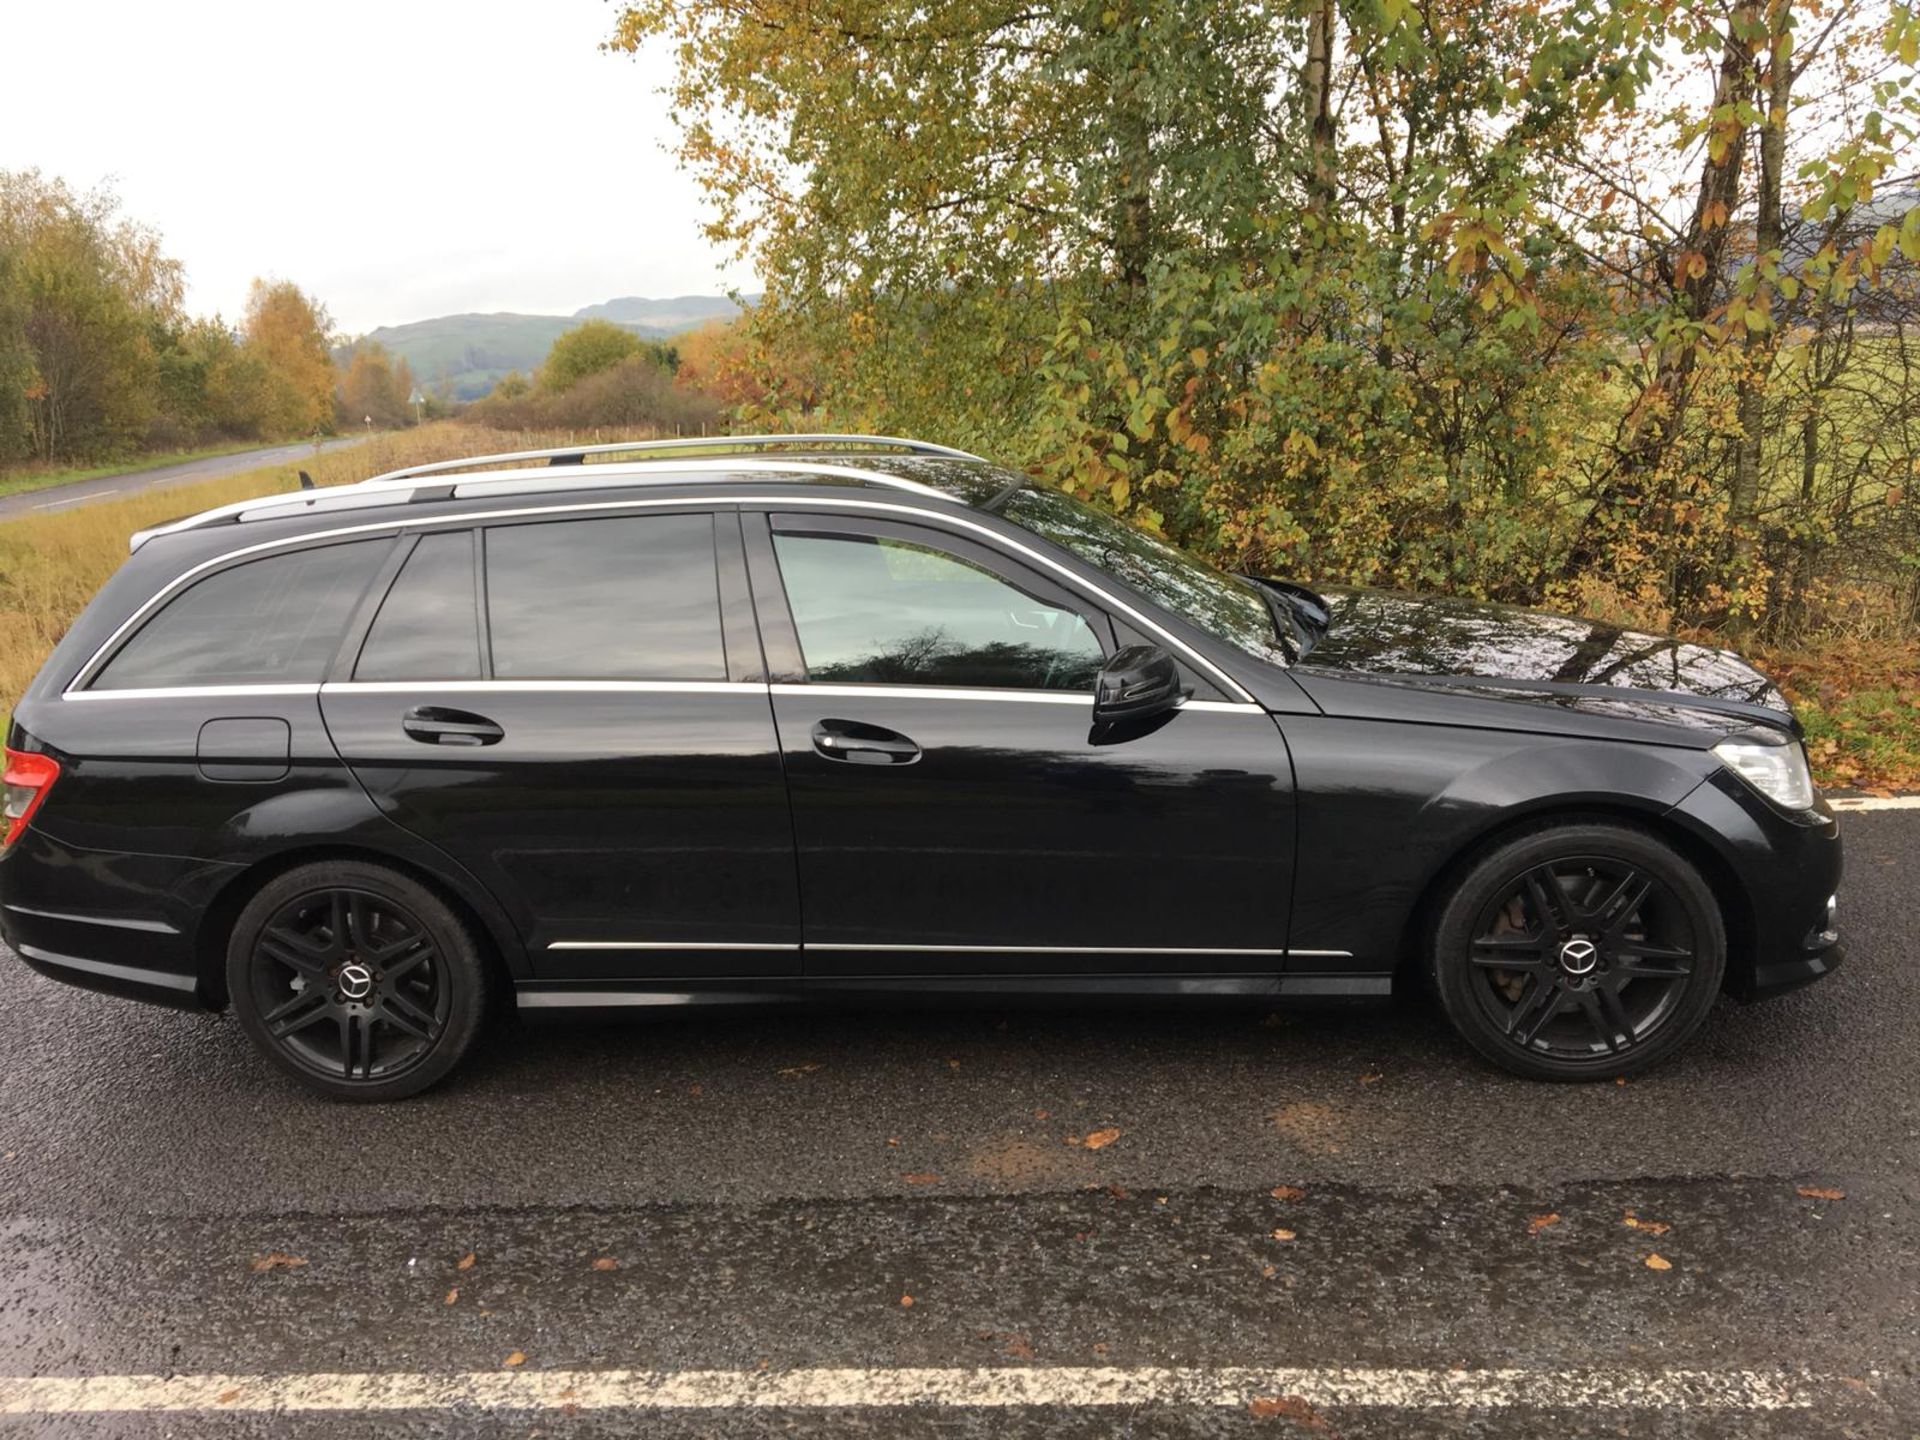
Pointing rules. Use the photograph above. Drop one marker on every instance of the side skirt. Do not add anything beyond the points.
(573, 999)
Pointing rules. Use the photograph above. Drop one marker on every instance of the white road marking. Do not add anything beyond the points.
(1000, 1387)
(1874, 802)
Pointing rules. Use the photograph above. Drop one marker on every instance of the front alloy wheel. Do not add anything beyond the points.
(1579, 951)
(355, 980)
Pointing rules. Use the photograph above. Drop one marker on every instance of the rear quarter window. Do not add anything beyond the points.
(272, 621)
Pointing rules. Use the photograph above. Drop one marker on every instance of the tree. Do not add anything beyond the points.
(285, 334)
(375, 385)
(587, 350)
(84, 287)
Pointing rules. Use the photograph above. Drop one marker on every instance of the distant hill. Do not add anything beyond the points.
(465, 355)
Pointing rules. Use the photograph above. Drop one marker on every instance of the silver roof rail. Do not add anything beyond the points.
(400, 489)
(577, 454)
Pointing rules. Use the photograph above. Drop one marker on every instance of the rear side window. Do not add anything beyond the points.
(428, 627)
(622, 598)
(272, 621)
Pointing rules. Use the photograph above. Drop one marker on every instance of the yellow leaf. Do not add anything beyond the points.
(1283, 1234)
(1541, 1222)
(1659, 1262)
(1100, 1139)
(518, 1357)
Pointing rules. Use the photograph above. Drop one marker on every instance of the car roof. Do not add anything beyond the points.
(932, 473)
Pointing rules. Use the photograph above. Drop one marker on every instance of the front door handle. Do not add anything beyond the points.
(436, 725)
(860, 744)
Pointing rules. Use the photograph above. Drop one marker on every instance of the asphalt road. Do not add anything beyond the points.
(105, 487)
(755, 1199)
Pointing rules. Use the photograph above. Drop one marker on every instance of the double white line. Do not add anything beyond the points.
(995, 1388)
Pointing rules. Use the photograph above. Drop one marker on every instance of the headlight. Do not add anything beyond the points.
(1776, 768)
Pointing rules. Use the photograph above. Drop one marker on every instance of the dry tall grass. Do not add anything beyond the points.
(51, 565)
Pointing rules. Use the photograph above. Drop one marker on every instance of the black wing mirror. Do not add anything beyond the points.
(1138, 681)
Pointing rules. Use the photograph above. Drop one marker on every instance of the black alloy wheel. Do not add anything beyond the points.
(355, 980)
(1579, 952)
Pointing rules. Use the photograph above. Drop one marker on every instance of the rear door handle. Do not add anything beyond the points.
(861, 744)
(436, 725)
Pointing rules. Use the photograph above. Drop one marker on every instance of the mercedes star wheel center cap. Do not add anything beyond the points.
(1578, 956)
(356, 981)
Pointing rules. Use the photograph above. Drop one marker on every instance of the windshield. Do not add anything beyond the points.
(1226, 606)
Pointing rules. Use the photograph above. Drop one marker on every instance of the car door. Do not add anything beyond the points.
(575, 709)
(955, 809)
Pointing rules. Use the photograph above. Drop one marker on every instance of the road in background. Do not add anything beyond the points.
(107, 487)
(1324, 1223)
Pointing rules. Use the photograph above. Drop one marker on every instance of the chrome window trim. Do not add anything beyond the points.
(399, 524)
(934, 692)
(486, 687)
(165, 692)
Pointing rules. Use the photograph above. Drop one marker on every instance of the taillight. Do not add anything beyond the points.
(28, 778)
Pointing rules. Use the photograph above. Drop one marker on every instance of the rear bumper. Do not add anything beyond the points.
(1788, 869)
(120, 923)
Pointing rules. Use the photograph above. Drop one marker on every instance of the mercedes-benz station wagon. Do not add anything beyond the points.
(801, 717)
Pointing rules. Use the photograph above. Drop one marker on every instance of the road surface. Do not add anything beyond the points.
(882, 1225)
(105, 487)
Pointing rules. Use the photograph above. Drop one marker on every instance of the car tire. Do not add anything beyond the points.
(356, 980)
(1578, 951)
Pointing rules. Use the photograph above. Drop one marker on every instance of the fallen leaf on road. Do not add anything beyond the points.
(276, 1260)
(695, 1090)
(1119, 1192)
(466, 1261)
(1822, 1192)
(1267, 1272)
(453, 1295)
(1541, 1222)
(953, 1064)
(1285, 1407)
(227, 1397)
(1287, 1192)
(790, 1071)
(921, 1177)
(1043, 1114)
(1100, 1139)
(606, 1262)
(1652, 1227)
(1372, 1077)
(906, 1302)
(1658, 1262)
(1283, 1234)
(518, 1357)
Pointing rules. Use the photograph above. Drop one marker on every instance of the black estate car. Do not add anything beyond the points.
(787, 718)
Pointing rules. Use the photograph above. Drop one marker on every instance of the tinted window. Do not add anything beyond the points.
(428, 627)
(272, 621)
(620, 599)
(886, 611)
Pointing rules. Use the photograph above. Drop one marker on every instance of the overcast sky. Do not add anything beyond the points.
(398, 160)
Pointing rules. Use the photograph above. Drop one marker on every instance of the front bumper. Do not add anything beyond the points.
(1786, 868)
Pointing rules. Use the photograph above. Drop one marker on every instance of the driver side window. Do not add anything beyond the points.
(883, 611)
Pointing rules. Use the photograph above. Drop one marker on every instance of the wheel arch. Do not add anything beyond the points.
(501, 947)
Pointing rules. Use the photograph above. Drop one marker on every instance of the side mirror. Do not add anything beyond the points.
(1137, 682)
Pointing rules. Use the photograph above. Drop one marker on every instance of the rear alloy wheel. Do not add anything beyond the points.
(1579, 952)
(356, 980)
